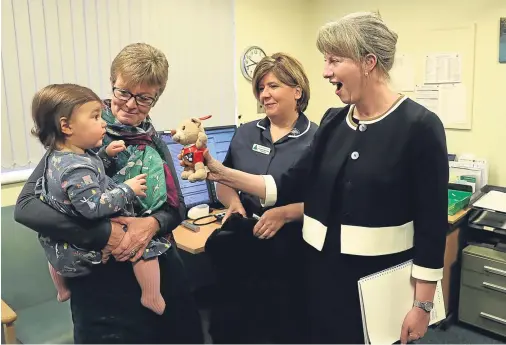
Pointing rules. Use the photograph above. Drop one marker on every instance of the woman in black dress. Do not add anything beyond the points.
(373, 183)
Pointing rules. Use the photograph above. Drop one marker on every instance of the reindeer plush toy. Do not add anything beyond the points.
(190, 133)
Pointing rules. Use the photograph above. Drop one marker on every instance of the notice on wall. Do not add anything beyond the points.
(448, 101)
(443, 68)
(428, 96)
(452, 104)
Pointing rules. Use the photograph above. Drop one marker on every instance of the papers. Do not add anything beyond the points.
(428, 96)
(448, 101)
(403, 74)
(493, 201)
(443, 90)
(452, 104)
(470, 171)
(443, 68)
(386, 297)
(468, 160)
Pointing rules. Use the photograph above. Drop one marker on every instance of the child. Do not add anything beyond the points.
(68, 121)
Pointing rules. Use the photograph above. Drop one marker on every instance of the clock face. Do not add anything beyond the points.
(249, 61)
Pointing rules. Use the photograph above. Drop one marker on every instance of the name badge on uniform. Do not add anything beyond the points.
(262, 149)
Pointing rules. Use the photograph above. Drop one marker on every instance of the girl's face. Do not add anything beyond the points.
(85, 129)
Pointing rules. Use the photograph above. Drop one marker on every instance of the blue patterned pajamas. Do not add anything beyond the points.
(76, 184)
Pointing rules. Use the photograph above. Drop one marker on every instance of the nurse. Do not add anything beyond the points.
(269, 147)
(373, 183)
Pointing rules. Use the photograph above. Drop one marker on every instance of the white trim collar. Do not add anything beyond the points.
(368, 122)
(258, 125)
(295, 132)
(300, 134)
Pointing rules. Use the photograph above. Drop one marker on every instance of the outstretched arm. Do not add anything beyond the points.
(285, 190)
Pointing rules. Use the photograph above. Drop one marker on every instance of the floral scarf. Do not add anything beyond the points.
(142, 156)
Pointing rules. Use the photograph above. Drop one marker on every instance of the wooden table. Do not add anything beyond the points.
(457, 216)
(194, 242)
(451, 255)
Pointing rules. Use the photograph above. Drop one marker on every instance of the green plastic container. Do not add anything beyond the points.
(457, 200)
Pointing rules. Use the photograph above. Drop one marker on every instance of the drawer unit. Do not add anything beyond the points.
(484, 260)
(483, 289)
(483, 310)
(484, 282)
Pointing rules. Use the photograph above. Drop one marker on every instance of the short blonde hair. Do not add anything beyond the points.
(53, 102)
(356, 35)
(288, 70)
(140, 63)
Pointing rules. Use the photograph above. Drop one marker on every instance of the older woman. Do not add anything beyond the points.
(106, 304)
(373, 183)
(270, 303)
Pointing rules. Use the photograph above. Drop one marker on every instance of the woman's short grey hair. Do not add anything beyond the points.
(141, 63)
(356, 35)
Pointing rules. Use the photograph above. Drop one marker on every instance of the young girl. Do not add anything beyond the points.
(68, 122)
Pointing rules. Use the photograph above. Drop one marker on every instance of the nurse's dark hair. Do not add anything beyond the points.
(288, 70)
(53, 102)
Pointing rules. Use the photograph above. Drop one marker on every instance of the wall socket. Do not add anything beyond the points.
(260, 108)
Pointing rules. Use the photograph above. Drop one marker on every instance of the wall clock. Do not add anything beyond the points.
(249, 60)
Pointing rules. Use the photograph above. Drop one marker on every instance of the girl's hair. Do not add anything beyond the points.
(52, 103)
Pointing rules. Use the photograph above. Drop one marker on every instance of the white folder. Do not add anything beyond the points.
(385, 299)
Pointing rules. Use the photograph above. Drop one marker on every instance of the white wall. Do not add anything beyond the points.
(487, 137)
(291, 27)
(75, 41)
(275, 26)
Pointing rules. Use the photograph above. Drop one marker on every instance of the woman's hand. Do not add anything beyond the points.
(269, 224)
(115, 238)
(415, 325)
(235, 207)
(140, 231)
(216, 170)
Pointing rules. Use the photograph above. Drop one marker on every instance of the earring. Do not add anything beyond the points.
(366, 74)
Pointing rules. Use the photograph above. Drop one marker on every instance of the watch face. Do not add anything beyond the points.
(427, 306)
(250, 60)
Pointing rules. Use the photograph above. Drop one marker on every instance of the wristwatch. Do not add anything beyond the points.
(425, 306)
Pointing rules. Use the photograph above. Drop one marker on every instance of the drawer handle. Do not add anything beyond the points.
(493, 318)
(494, 287)
(494, 270)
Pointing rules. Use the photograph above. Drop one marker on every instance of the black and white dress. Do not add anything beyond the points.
(375, 195)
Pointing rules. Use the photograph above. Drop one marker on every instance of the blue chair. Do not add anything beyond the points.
(28, 290)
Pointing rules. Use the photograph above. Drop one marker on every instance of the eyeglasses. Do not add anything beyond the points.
(125, 95)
